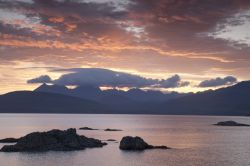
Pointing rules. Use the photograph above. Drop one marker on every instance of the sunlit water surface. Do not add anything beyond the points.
(195, 141)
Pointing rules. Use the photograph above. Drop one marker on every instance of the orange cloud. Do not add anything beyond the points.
(56, 19)
(37, 28)
(110, 46)
(70, 27)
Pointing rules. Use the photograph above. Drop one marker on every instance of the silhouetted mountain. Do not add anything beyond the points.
(150, 95)
(86, 92)
(42, 102)
(131, 101)
(52, 89)
(111, 96)
(234, 100)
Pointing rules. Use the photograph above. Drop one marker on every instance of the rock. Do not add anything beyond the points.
(112, 129)
(53, 140)
(87, 128)
(133, 143)
(161, 147)
(9, 140)
(230, 123)
(137, 143)
(111, 140)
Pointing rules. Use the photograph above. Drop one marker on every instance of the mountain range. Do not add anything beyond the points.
(233, 100)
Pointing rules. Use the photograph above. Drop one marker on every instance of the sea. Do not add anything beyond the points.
(194, 140)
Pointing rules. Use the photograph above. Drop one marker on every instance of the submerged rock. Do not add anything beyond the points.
(112, 129)
(53, 140)
(87, 128)
(9, 140)
(111, 140)
(137, 143)
(230, 123)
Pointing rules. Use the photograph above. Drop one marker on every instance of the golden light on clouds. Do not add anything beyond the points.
(155, 42)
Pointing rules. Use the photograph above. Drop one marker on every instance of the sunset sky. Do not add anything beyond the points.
(180, 45)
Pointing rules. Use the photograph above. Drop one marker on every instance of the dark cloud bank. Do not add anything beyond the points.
(104, 77)
(174, 23)
(229, 80)
(40, 79)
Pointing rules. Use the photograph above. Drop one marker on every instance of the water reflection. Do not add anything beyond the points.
(194, 139)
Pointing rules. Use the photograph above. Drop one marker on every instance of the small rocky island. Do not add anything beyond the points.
(108, 129)
(137, 144)
(87, 128)
(111, 140)
(230, 123)
(53, 140)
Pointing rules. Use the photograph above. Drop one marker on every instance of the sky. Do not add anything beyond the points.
(168, 45)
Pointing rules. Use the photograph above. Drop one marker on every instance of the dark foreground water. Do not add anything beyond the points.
(195, 141)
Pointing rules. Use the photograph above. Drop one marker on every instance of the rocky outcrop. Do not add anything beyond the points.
(108, 129)
(87, 128)
(54, 140)
(230, 123)
(111, 140)
(137, 143)
(9, 140)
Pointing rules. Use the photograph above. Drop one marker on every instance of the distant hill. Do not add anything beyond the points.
(41, 102)
(112, 97)
(233, 100)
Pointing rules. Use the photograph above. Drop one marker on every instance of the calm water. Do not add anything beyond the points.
(194, 139)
